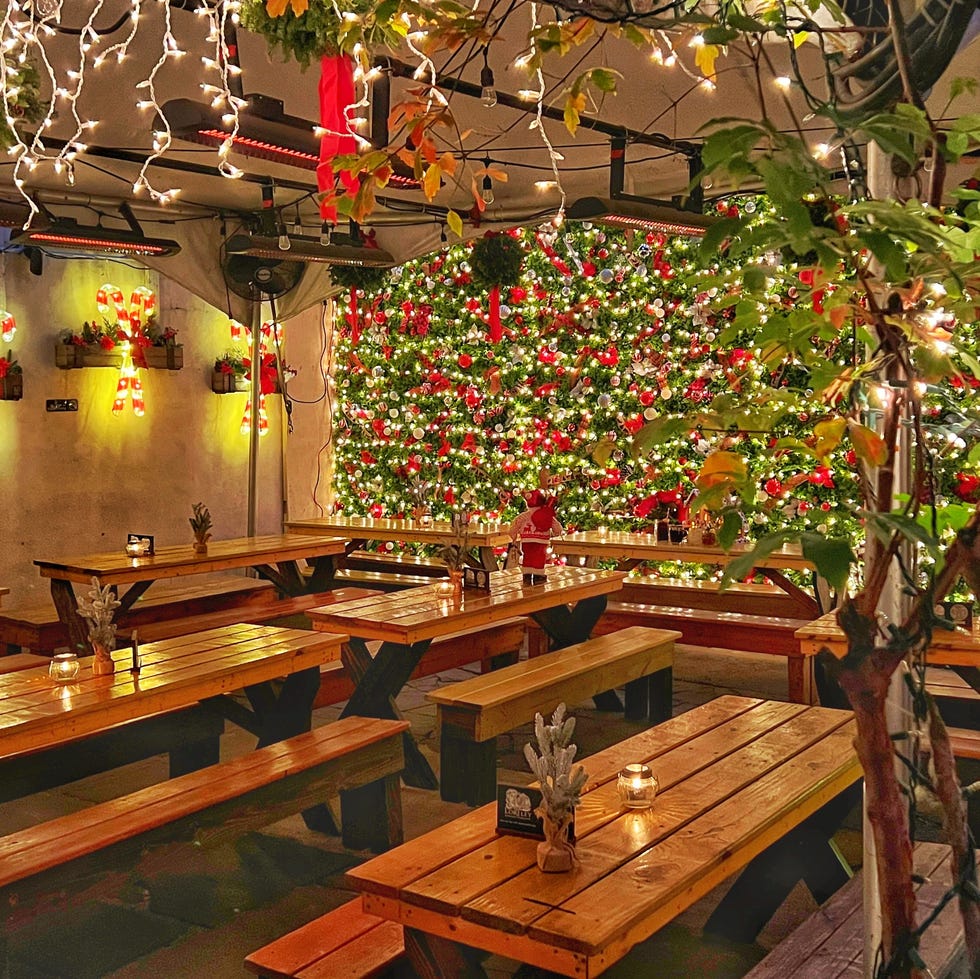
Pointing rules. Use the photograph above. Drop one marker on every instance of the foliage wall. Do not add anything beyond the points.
(605, 331)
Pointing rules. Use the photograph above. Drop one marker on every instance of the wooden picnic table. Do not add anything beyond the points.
(407, 621)
(736, 775)
(275, 557)
(483, 537)
(629, 550)
(37, 712)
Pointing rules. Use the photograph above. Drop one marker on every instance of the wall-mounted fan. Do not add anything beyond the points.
(253, 277)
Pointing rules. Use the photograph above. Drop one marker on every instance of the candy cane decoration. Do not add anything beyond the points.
(268, 332)
(108, 299)
(8, 326)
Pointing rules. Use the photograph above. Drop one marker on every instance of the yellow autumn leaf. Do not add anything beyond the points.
(276, 8)
(721, 468)
(431, 181)
(704, 57)
(455, 223)
(869, 446)
(499, 175)
(574, 106)
(800, 37)
(829, 433)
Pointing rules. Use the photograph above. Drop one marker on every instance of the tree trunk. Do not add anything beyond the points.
(866, 689)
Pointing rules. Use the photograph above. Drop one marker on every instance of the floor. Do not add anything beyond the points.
(203, 918)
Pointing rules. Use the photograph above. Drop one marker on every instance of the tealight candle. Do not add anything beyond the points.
(637, 786)
(134, 549)
(63, 667)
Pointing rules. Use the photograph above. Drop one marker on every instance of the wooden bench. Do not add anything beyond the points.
(97, 852)
(472, 713)
(491, 645)
(411, 564)
(179, 616)
(38, 628)
(748, 597)
(347, 941)
(726, 630)
(830, 943)
(957, 701)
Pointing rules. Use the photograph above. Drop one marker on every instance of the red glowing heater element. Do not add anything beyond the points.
(662, 217)
(65, 236)
(259, 149)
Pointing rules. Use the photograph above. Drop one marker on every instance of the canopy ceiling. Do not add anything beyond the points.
(656, 107)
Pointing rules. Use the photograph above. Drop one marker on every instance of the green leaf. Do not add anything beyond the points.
(832, 557)
(731, 527)
(740, 567)
(886, 524)
(604, 80)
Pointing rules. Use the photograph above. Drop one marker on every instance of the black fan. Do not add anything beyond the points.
(250, 276)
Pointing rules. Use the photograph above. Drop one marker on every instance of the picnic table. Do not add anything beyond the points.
(406, 622)
(37, 712)
(483, 537)
(736, 775)
(629, 550)
(275, 557)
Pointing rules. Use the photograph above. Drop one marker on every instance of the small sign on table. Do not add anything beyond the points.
(478, 578)
(516, 812)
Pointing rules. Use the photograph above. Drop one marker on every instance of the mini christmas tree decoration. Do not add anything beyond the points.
(561, 788)
(98, 607)
(201, 525)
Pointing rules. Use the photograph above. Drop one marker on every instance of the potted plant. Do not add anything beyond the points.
(561, 788)
(228, 374)
(98, 607)
(11, 379)
(200, 522)
(454, 553)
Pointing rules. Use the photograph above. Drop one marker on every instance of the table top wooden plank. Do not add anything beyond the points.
(736, 775)
(666, 878)
(36, 712)
(117, 567)
(949, 647)
(623, 545)
(490, 885)
(401, 530)
(426, 612)
(389, 872)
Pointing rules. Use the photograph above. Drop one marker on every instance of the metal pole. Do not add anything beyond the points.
(255, 394)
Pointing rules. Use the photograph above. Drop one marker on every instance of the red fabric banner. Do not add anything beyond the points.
(336, 93)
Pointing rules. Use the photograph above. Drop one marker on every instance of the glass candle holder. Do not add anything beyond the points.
(63, 667)
(134, 549)
(637, 786)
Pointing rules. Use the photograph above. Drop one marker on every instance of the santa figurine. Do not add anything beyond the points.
(534, 528)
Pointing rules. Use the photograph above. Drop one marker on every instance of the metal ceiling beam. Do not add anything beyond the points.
(680, 146)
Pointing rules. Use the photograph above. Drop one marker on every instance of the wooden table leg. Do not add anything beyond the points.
(66, 605)
(433, 957)
(566, 627)
(377, 682)
(322, 579)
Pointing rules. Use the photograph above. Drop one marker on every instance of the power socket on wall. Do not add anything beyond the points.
(61, 404)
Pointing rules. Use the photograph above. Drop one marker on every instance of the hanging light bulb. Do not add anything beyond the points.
(284, 242)
(326, 231)
(487, 193)
(297, 223)
(488, 94)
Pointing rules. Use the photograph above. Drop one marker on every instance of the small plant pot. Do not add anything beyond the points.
(200, 547)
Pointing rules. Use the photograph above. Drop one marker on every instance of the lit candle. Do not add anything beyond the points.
(637, 786)
(63, 667)
(134, 549)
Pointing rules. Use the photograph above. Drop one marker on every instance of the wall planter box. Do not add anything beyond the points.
(12, 387)
(69, 355)
(222, 383)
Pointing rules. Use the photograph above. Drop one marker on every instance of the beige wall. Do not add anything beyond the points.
(74, 483)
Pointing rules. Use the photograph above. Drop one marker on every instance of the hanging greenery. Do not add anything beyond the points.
(496, 260)
(365, 277)
(24, 100)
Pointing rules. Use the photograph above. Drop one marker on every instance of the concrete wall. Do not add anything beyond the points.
(76, 483)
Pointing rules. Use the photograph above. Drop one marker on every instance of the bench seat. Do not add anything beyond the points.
(347, 941)
(472, 713)
(38, 628)
(381, 580)
(413, 564)
(830, 943)
(748, 597)
(726, 630)
(959, 704)
(97, 852)
(491, 645)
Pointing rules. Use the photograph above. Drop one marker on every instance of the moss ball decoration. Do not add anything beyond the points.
(364, 277)
(496, 260)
